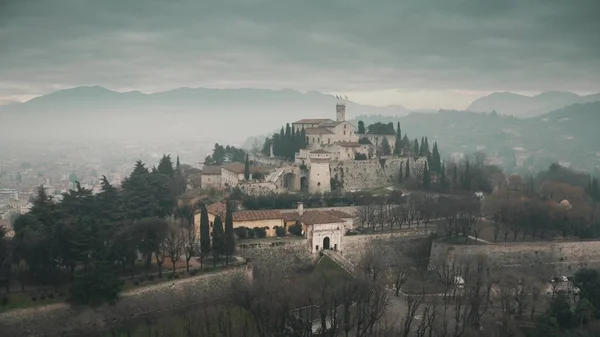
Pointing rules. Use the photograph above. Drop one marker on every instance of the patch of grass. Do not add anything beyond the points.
(327, 265)
(26, 300)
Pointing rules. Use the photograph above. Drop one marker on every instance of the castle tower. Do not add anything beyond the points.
(340, 110)
(319, 179)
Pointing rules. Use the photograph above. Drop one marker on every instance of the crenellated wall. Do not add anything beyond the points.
(372, 173)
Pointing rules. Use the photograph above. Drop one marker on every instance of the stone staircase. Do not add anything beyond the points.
(340, 260)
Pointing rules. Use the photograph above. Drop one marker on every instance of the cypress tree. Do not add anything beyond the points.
(361, 128)
(218, 239)
(455, 177)
(422, 147)
(289, 147)
(229, 235)
(426, 177)
(204, 235)
(303, 141)
(416, 152)
(426, 150)
(247, 168)
(467, 177)
(406, 143)
(398, 143)
(443, 178)
(385, 147)
(407, 168)
(436, 160)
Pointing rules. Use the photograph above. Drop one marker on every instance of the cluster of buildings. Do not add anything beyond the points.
(327, 141)
(323, 228)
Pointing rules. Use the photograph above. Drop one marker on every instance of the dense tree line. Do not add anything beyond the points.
(93, 239)
(225, 154)
(286, 143)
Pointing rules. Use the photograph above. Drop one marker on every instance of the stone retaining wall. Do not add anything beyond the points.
(63, 319)
(355, 245)
(372, 173)
(565, 257)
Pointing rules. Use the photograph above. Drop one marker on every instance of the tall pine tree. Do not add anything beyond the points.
(401, 175)
(204, 235)
(398, 143)
(426, 177)
(443, 182)
(455, 177)
(407, 168)
(416, 152)
(247, 168)
(229, 235)
(436, 161)
(218, 241)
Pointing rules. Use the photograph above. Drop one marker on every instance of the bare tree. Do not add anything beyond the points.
(175, 243)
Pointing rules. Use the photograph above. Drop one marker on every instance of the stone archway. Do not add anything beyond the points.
(289, 181)
(326, 242)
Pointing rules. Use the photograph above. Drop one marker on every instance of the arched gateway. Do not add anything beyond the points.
(326, 242)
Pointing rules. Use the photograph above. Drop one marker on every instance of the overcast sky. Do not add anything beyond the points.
(417, 53)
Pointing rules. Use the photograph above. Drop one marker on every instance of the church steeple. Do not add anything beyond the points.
(340, 109)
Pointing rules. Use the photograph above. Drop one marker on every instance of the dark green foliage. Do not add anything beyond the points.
(288, 142)
(416, 148)
(361, 128)
(426, 177)
(227, 154)
(247, 168)
(381, 128)
(241, 232)
(365, 141)
(218, 239)
(360, 156)
(407, 171)
(594, 189)
(385, 147)
(229, 244)
(266, 149)
(443, 182)
(436, 161)
(401, 174)
(259, 233)
(455, 176)
(165, 166)
(398, 145)
(295, 229)
(280, 231)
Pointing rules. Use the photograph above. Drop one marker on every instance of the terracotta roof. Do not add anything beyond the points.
(237, 167)
(317, 131)
(329, 124)
(312, 217)
(313, 121)
(217, 208)
(339, 214)
(211, 170)
(348, 144)
(319, 151)
(256, 215)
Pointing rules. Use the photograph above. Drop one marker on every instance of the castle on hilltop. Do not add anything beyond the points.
(335, 156)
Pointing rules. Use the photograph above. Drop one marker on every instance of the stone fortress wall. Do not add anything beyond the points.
(372, 173)
(564, 257)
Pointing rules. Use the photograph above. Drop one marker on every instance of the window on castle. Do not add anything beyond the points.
(328, 140)
(344, 132)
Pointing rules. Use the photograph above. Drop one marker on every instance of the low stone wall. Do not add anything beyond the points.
(62, 319)
(355, 245)
(565, 257)
(372, 173)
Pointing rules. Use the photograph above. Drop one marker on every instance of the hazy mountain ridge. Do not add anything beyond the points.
(188, 112)
(568, 134)
(528, 106)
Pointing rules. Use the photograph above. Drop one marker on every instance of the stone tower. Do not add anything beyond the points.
(340, 109)
(319, 179)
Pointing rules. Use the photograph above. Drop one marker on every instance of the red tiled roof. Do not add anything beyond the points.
(219, 208)
(211, 170)
(256, 215)
(312, 217)
(238, 168)
(329, 124)
(313, 121)
(317, 131)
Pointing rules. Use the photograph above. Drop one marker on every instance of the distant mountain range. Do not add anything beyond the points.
(507, 103)
(568, 135)
(186, 112)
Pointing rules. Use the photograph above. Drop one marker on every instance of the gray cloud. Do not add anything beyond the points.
(324, 45)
